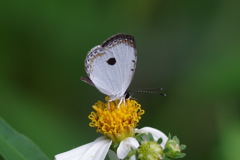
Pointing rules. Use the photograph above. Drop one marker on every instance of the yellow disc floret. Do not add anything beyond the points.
(116, 120)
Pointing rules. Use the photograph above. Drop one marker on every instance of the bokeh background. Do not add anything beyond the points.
(190, 48)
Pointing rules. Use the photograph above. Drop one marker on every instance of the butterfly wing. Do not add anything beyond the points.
(124, 49)
(111, 66)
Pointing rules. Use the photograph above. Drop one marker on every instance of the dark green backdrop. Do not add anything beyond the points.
(190, 48)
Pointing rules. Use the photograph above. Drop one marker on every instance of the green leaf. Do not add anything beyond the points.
(169, 136)
(139, 137)
(150, 137)
(183, 146)
(176, 139)
(159, 141)
(15, 146)
(180, 155)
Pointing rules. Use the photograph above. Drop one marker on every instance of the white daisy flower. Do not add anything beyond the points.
(117, 121)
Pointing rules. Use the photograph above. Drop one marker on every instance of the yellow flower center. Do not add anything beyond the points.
(114, 120)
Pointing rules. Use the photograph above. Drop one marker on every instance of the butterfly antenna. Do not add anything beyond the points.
(146, 90)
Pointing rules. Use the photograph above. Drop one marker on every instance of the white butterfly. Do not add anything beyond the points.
(110, 67)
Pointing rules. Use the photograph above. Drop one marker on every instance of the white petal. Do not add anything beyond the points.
(95, 150)
(100, 151)
(74, 154)
(125, 146)
(155, 133)
(132, 142)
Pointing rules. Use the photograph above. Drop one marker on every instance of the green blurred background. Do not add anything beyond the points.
(190, 48)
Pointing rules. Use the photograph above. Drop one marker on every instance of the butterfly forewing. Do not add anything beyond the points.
(124, 49)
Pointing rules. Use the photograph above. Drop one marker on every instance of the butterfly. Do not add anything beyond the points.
(110, 66)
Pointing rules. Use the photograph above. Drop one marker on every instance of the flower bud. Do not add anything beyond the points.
(150, 151)
(172, 148)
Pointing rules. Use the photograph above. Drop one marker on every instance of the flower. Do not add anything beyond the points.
(117, 122)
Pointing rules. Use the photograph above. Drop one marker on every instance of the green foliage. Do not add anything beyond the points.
(159, 141)
(182, 147)
(139, 137)
(15, 146)
(173, 149)
(150, 137)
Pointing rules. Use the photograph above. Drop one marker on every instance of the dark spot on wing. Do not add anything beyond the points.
(111, 61)
(133, 61)
(132, 69)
